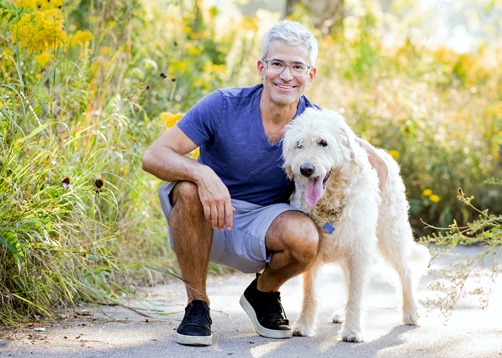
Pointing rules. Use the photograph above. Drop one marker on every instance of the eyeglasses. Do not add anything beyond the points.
(297, 69)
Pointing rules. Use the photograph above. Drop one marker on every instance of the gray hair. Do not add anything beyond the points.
(293, 33)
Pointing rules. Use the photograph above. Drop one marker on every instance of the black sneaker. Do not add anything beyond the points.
(266, 312)
(195, 329)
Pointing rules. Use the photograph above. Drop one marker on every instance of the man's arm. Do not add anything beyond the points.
(167, 161)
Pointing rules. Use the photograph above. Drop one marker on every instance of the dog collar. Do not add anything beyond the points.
(328, 227)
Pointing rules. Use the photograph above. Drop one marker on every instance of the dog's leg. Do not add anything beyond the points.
(410, 308)
(306, 324)
(396, 241)
(393, 246)
(337, 317)
(415, 262)
(357, 271)
(339, 313)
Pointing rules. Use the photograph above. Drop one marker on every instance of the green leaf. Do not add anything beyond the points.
(9, 240)
(52, 192)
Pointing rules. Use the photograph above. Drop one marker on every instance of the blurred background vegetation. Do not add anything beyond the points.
(86, 86)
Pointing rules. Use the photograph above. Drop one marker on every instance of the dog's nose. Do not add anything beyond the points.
(307, 169)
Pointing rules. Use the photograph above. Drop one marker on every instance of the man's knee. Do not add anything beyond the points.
(297, 233)
(306, 236)
(186, 204)
(185, 192)
(187, 222)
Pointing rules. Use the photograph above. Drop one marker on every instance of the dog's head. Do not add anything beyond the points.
(317, 143)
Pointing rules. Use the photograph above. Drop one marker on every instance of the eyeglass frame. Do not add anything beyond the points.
(309, 67)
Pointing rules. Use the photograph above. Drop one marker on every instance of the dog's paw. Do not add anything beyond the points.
(337, 317)
(305, 330)
(410, 318)
(352, 336)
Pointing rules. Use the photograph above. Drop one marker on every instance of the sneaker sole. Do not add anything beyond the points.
(194, 340)
(262, 331)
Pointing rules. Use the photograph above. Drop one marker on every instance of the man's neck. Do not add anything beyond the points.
(275, 118)
(275, 114)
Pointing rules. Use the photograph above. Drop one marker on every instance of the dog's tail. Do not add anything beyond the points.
(420, 257)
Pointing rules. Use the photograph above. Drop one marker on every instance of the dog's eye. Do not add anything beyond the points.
(299, 145)
(322, 143)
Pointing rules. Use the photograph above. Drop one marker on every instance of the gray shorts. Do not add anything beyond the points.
(243, 247)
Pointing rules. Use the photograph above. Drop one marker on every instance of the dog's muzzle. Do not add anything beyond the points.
(315, 184)
(308, 169)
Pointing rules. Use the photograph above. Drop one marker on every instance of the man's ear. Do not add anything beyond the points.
(261, 68)
(312, 73)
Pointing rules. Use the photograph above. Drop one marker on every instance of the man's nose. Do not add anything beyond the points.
(286, 73)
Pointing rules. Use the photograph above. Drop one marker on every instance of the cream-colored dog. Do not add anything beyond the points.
(336, 185)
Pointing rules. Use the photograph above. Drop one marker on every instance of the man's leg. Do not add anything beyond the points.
(191, 236)
(293, 241)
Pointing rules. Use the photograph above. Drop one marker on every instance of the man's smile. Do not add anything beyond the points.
(285, 87)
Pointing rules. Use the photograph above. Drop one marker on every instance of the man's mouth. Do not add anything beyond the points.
(285, 87)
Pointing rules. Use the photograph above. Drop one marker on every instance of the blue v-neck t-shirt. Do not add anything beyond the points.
(228, 127)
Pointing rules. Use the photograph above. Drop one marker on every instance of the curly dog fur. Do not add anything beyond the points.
(336, 185)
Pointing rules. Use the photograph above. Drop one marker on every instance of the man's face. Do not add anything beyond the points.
(284, 88)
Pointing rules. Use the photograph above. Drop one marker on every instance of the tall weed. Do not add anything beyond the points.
(71, 190)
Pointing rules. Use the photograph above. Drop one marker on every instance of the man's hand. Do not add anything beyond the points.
(167, 161)
(215, 199)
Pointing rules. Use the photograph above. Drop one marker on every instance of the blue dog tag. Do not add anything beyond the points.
(329, 228)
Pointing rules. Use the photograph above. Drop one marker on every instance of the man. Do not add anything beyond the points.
(231, 206)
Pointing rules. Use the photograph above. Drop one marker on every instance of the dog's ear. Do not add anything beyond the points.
(286, 143)
(350, 141)
(289, 172)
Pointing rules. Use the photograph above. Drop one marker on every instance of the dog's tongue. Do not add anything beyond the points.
(314, 191)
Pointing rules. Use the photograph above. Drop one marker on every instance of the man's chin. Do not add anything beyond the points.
(285, 99)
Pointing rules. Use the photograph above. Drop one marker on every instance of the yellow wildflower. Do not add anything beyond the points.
(194, 153)
(395, 154)
(170, 119)
(193, 50)
(44, 58)
(42, 30)
(39, 4)
(7, 51)
(49, 4)
(81, 37)
(434, 198)
(249, 24)
(211, 68)
(427, 192)
(179, 67)
(105, 50)
(25, 3)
